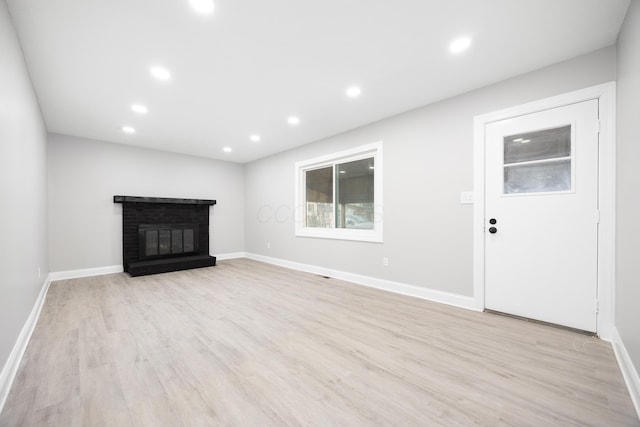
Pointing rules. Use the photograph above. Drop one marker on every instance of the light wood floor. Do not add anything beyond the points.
(246, 343)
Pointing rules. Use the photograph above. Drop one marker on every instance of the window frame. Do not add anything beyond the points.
(357, 153)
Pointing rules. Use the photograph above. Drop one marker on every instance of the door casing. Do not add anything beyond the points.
(605, 94)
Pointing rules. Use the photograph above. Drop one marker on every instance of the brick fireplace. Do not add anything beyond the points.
(164, 234)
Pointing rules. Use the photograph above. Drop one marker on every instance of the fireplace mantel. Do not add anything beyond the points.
(137, 199)
(161, 234)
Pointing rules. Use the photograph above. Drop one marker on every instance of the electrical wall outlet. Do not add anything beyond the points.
(385, 261)
(268, 245)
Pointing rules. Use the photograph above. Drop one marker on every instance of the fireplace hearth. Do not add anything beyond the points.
(164, 234)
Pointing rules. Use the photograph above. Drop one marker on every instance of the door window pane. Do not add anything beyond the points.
(538, 161)
(319, 197)
(539, 145)
(538, 177)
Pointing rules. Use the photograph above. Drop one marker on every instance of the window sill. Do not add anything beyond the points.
(374, 236)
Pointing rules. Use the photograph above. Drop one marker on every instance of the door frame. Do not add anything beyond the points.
(605, 94)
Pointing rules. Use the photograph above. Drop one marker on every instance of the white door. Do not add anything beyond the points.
(541, 215)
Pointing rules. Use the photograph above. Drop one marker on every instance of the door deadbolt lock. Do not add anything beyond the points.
(492, 221)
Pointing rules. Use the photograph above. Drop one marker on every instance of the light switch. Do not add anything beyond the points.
(466, 197)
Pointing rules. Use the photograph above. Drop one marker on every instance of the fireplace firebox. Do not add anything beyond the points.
(159, 240)
(164, 234)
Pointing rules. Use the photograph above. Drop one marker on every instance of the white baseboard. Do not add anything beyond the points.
(629, 371)
(372, 282)
(232, 255)
(10, 368)
(85, 272)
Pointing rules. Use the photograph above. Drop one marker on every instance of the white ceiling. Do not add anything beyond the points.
(253, 63)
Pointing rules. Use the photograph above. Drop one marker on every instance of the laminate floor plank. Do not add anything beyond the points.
(247, 343)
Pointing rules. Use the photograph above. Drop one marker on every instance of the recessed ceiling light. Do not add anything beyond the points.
(160, 73)
(460, 45)
(343, 171)
(139, 108)
(372, 167)
(227, 149)
(354, 92)
(293, 120)
(202, 6)
(255, 138)
(128, 129)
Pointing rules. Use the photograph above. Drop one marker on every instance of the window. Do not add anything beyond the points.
(538, 162)
(340, 196)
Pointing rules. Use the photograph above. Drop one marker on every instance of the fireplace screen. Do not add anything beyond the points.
(161, 240)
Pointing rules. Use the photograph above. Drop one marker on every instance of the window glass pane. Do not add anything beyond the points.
(539, 145)
(319, 197)
(538, 177)
(355, 194)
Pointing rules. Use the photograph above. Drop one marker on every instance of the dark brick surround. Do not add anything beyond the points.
(155, 210)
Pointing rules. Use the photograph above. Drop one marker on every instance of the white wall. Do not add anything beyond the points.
(84, 175)
(23, 188)
(628, 183)
(428, 161)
